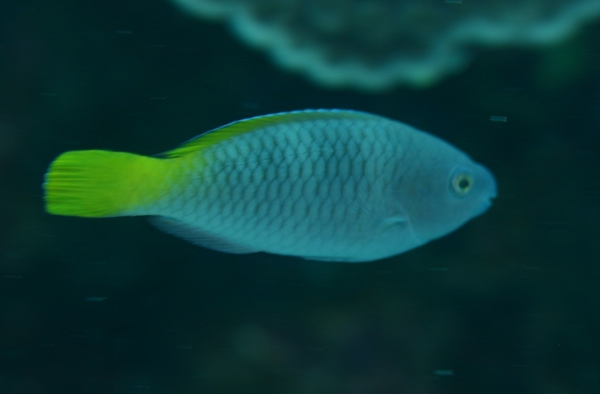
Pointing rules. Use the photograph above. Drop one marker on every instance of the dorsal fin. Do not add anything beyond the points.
(222, 133)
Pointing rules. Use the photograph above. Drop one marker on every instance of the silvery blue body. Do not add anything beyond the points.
(326, 185)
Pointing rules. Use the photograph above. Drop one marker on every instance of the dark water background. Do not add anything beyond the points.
(507, 304)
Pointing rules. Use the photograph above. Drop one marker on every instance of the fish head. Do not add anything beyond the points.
(444, 193)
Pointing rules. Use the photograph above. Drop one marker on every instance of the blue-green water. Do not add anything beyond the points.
(507, 304)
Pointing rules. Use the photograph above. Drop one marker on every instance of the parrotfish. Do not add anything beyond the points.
(329, 185)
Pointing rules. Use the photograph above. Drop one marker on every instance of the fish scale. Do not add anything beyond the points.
(328, 185)
(304, 216)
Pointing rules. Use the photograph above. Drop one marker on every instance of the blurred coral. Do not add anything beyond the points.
(377, 44)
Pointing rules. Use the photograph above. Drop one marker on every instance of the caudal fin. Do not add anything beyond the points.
(97, 183)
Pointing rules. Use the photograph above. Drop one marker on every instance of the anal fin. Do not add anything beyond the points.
(199, 237)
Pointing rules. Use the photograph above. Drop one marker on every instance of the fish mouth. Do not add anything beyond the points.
(492, 195)
(493, 188)
(494, 191)
(486, 203)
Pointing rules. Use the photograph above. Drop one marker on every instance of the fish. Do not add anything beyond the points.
(328, 185)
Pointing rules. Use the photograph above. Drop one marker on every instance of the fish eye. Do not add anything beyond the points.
(462, 183)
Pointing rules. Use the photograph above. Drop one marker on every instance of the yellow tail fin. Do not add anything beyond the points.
(97, 183)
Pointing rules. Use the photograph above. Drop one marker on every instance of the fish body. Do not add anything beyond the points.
(328, 185)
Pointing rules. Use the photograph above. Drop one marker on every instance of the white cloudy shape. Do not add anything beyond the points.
(377, 44)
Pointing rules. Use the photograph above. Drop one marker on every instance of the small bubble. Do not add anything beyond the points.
(96, 299)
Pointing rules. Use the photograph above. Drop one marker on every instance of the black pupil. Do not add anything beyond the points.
(464, 183)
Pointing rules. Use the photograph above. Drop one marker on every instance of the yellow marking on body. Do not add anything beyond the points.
(97, 183)
(230, 130)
